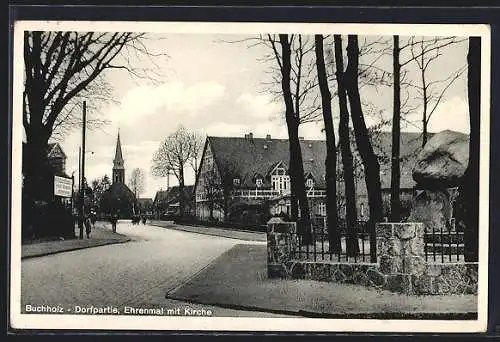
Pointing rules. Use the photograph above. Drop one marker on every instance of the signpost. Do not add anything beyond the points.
(63, 186)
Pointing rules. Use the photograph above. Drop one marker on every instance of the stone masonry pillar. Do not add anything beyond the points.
(281, 242)
(400, 254)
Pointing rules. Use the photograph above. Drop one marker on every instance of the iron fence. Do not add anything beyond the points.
(319, 249)
(444, 244)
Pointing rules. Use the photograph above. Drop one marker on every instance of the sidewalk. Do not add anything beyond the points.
(101, 235)
(238, 280)
(223, 232)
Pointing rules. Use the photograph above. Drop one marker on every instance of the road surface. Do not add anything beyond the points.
(136, 274)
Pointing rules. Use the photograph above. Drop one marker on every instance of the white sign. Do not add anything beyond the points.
(62, 186)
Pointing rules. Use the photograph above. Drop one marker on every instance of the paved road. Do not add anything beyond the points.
(137, 273)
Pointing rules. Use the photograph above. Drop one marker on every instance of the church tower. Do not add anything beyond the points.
(118, 164)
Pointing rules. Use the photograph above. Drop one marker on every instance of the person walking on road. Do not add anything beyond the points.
(88, 225)
(114, 220)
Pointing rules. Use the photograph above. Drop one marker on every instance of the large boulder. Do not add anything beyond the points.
(443, 160)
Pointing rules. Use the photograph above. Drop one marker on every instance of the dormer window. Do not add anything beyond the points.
(236, 181)
(310, 182)
(258, 182)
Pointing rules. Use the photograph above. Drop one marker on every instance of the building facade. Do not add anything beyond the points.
(119, 198)
(242, 177)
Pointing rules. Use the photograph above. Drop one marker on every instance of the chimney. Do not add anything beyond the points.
(268, 137)
(250, 137)
(301, 138)
(246, 136)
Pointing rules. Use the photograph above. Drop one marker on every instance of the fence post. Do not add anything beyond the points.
(373, 241)
(401, 254)
(281, 243)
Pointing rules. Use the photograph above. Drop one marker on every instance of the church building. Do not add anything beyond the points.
(119, 198)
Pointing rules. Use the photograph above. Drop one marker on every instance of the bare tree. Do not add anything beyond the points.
(423, 52)
(137, 181)
(292, 115)
(218, 184)
(61, 68)
(292, 81)
(173, 155)
(99, 187)
(331, 149)
(370, 162)
(352, 247)
(197, 147)
(431, 92)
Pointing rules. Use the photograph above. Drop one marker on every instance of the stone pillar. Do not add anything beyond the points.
(281, 242)
(400, 254)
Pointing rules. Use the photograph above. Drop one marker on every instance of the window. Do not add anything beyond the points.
(362, 210)
(322, 209)
(280, 182)
(258, 181)
(310, 182)
(236, 181)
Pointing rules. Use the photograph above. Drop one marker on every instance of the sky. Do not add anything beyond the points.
(216, 88)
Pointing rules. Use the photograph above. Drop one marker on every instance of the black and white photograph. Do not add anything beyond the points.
(250, 176)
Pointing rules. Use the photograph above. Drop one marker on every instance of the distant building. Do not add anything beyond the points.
(56, 158)
(145, 206)
(119, 198)
(166, 202)
(260, 182)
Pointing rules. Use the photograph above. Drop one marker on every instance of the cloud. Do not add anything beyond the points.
(226, 129)
(142, 101)
(452, 114)
(258, 106)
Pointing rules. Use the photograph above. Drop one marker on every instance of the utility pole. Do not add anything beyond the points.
(82, 173)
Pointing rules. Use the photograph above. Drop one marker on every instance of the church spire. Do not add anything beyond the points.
(118, 163)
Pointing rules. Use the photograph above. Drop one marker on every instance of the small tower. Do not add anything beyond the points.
(118, 164)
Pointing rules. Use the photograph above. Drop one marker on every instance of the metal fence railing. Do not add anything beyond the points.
(444, 244)
(320, 250)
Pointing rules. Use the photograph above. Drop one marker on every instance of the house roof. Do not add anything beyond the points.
(121, 191)
(259, 156)
(54, 150)
(172, 195)
(254, 156)
(145, 201)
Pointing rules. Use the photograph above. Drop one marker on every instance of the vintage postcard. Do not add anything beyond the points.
(250, 177)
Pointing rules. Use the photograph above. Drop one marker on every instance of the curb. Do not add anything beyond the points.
(208, 233)
(76, 248)
(357, 315)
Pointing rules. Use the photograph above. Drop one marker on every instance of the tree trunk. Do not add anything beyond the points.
(181, 190)
(331, 150)
(425, 120)
(470, 188)
(36, 167)
(352, 246)
(368, 157)
(396, 135)
(296, 168)
(424, 129)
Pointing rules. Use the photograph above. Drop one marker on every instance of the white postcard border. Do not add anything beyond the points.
(31, 321)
